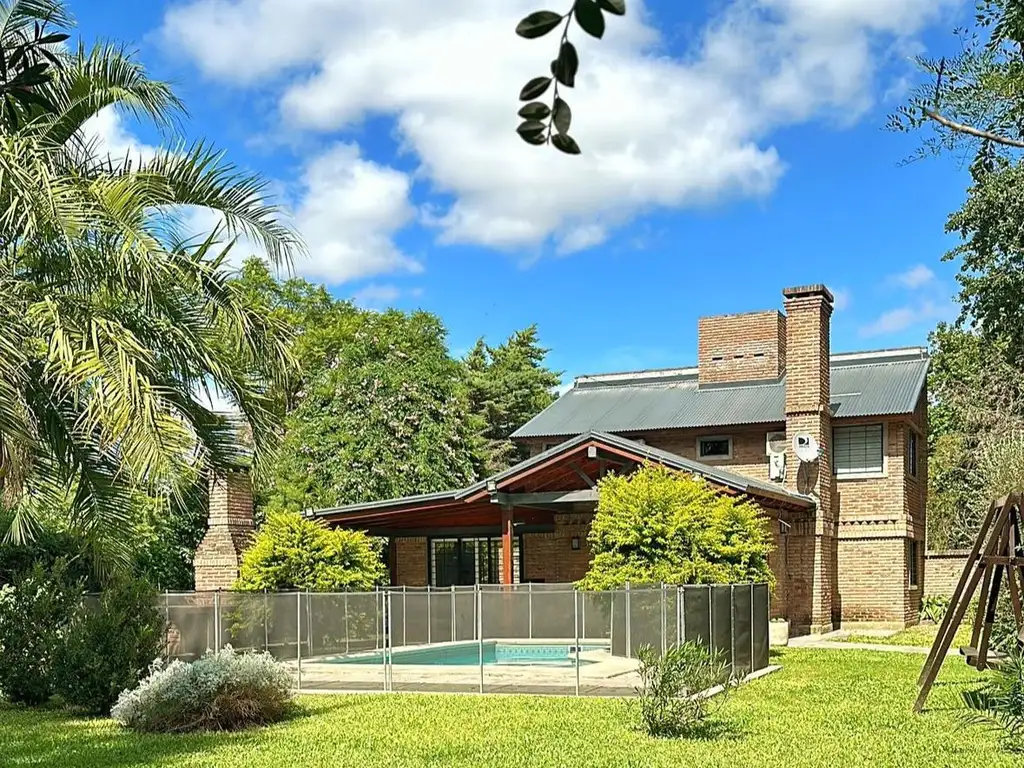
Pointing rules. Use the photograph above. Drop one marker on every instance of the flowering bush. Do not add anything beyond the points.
(224, 690)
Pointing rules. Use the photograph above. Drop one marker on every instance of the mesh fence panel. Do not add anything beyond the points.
(507, 612)
(553, 612)
(191, 624)
(282, 625)
(496, 638)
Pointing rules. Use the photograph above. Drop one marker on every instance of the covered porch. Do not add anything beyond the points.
(530, 522)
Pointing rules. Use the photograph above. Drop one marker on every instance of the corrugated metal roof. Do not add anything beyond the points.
(863, 384)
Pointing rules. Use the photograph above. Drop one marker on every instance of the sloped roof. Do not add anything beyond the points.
(716, 475)
(881, 383)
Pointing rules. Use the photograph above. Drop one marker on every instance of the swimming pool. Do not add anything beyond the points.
(468, 654)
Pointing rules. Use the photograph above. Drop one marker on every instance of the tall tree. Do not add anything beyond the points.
(508, 385)
(385, 418)
(375, 407)
(113, 317)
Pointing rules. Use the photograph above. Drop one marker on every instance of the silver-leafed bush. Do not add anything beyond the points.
(222, 691)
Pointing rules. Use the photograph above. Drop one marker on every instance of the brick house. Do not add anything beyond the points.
(849, 527)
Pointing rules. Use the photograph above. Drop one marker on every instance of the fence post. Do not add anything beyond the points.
(576, 626)
(298, 635)
(629, 636)
(377, 610)
(664, 619)
(453, 613)
(346, 621)
(680, 615)
(216, 620)
(751, 588)
(266, 622)
(711, 618)
(309, 624)
(480, 632)
(583, 615)
(388, 626)
(732, 628)
(405, 620)
(529, 593)
(430, 599)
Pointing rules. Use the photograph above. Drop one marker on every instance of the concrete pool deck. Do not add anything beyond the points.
(601, 675)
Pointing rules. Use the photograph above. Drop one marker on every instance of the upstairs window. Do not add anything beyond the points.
(912, 452)
(714, 448)
(857, 450)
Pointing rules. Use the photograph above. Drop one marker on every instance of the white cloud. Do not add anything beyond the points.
(901, 318)
(348, 211)
(841, 299)
(655, 130)
(916, 277)
(106, 128)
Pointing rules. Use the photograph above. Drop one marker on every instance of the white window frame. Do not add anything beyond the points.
(702, 438)
(861, 475)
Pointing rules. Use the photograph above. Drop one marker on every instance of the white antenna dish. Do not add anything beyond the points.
(805, 447)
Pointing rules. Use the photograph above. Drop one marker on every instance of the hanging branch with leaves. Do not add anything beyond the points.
(544, 124)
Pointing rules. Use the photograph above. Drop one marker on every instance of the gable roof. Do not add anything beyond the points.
(886, 382)
(566, 450)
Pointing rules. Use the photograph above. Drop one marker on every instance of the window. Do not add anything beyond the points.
(710, 448)
(857, 450)
(548, 446)
(468, 561)
(912, 451)
(912, 563)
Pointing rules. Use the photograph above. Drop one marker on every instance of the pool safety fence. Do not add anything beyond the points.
(529, 638)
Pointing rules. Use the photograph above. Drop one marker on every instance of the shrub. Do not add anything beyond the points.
(659, 525)
(294, 552)
(672, 687)
(111, 641)
(35, 613)
(1000, 703)
(222, 691)
(934, 607)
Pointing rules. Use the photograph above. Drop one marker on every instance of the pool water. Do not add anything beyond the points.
(468, 654)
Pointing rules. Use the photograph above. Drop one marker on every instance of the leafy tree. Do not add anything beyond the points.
(111, 318)
(386, 418)
(550, 125)
(658, 525)
(975, 99)
(293, 552)
(508, 385)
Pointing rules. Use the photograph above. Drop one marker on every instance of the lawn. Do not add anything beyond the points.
(825, 708)
(922, 635)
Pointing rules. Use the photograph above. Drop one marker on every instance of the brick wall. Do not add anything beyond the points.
(942, 571)
(229, 531)
(410, 561)
(549, 557)
(741, 347)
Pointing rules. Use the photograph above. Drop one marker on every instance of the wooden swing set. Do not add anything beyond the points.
(997, 556)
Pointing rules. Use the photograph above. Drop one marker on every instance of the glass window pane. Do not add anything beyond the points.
(857, 450)
(444, 562)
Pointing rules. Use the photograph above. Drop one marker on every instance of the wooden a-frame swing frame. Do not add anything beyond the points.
(997, 556)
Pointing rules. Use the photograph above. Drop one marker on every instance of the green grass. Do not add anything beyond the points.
(921, 635)
(825, 708)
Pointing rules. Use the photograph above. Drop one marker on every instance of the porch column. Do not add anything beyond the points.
(506, 544)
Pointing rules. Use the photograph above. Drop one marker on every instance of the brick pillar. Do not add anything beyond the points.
(229, 529)
(813, 551)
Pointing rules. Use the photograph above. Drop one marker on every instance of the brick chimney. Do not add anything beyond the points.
(745, 347)
(813, 553)
(229, 529)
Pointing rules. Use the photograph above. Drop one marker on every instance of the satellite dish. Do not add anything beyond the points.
(805, 447)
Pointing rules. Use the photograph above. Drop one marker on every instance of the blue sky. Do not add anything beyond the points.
(731, 148)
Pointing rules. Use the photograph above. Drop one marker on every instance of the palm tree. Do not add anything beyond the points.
(111, 318)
